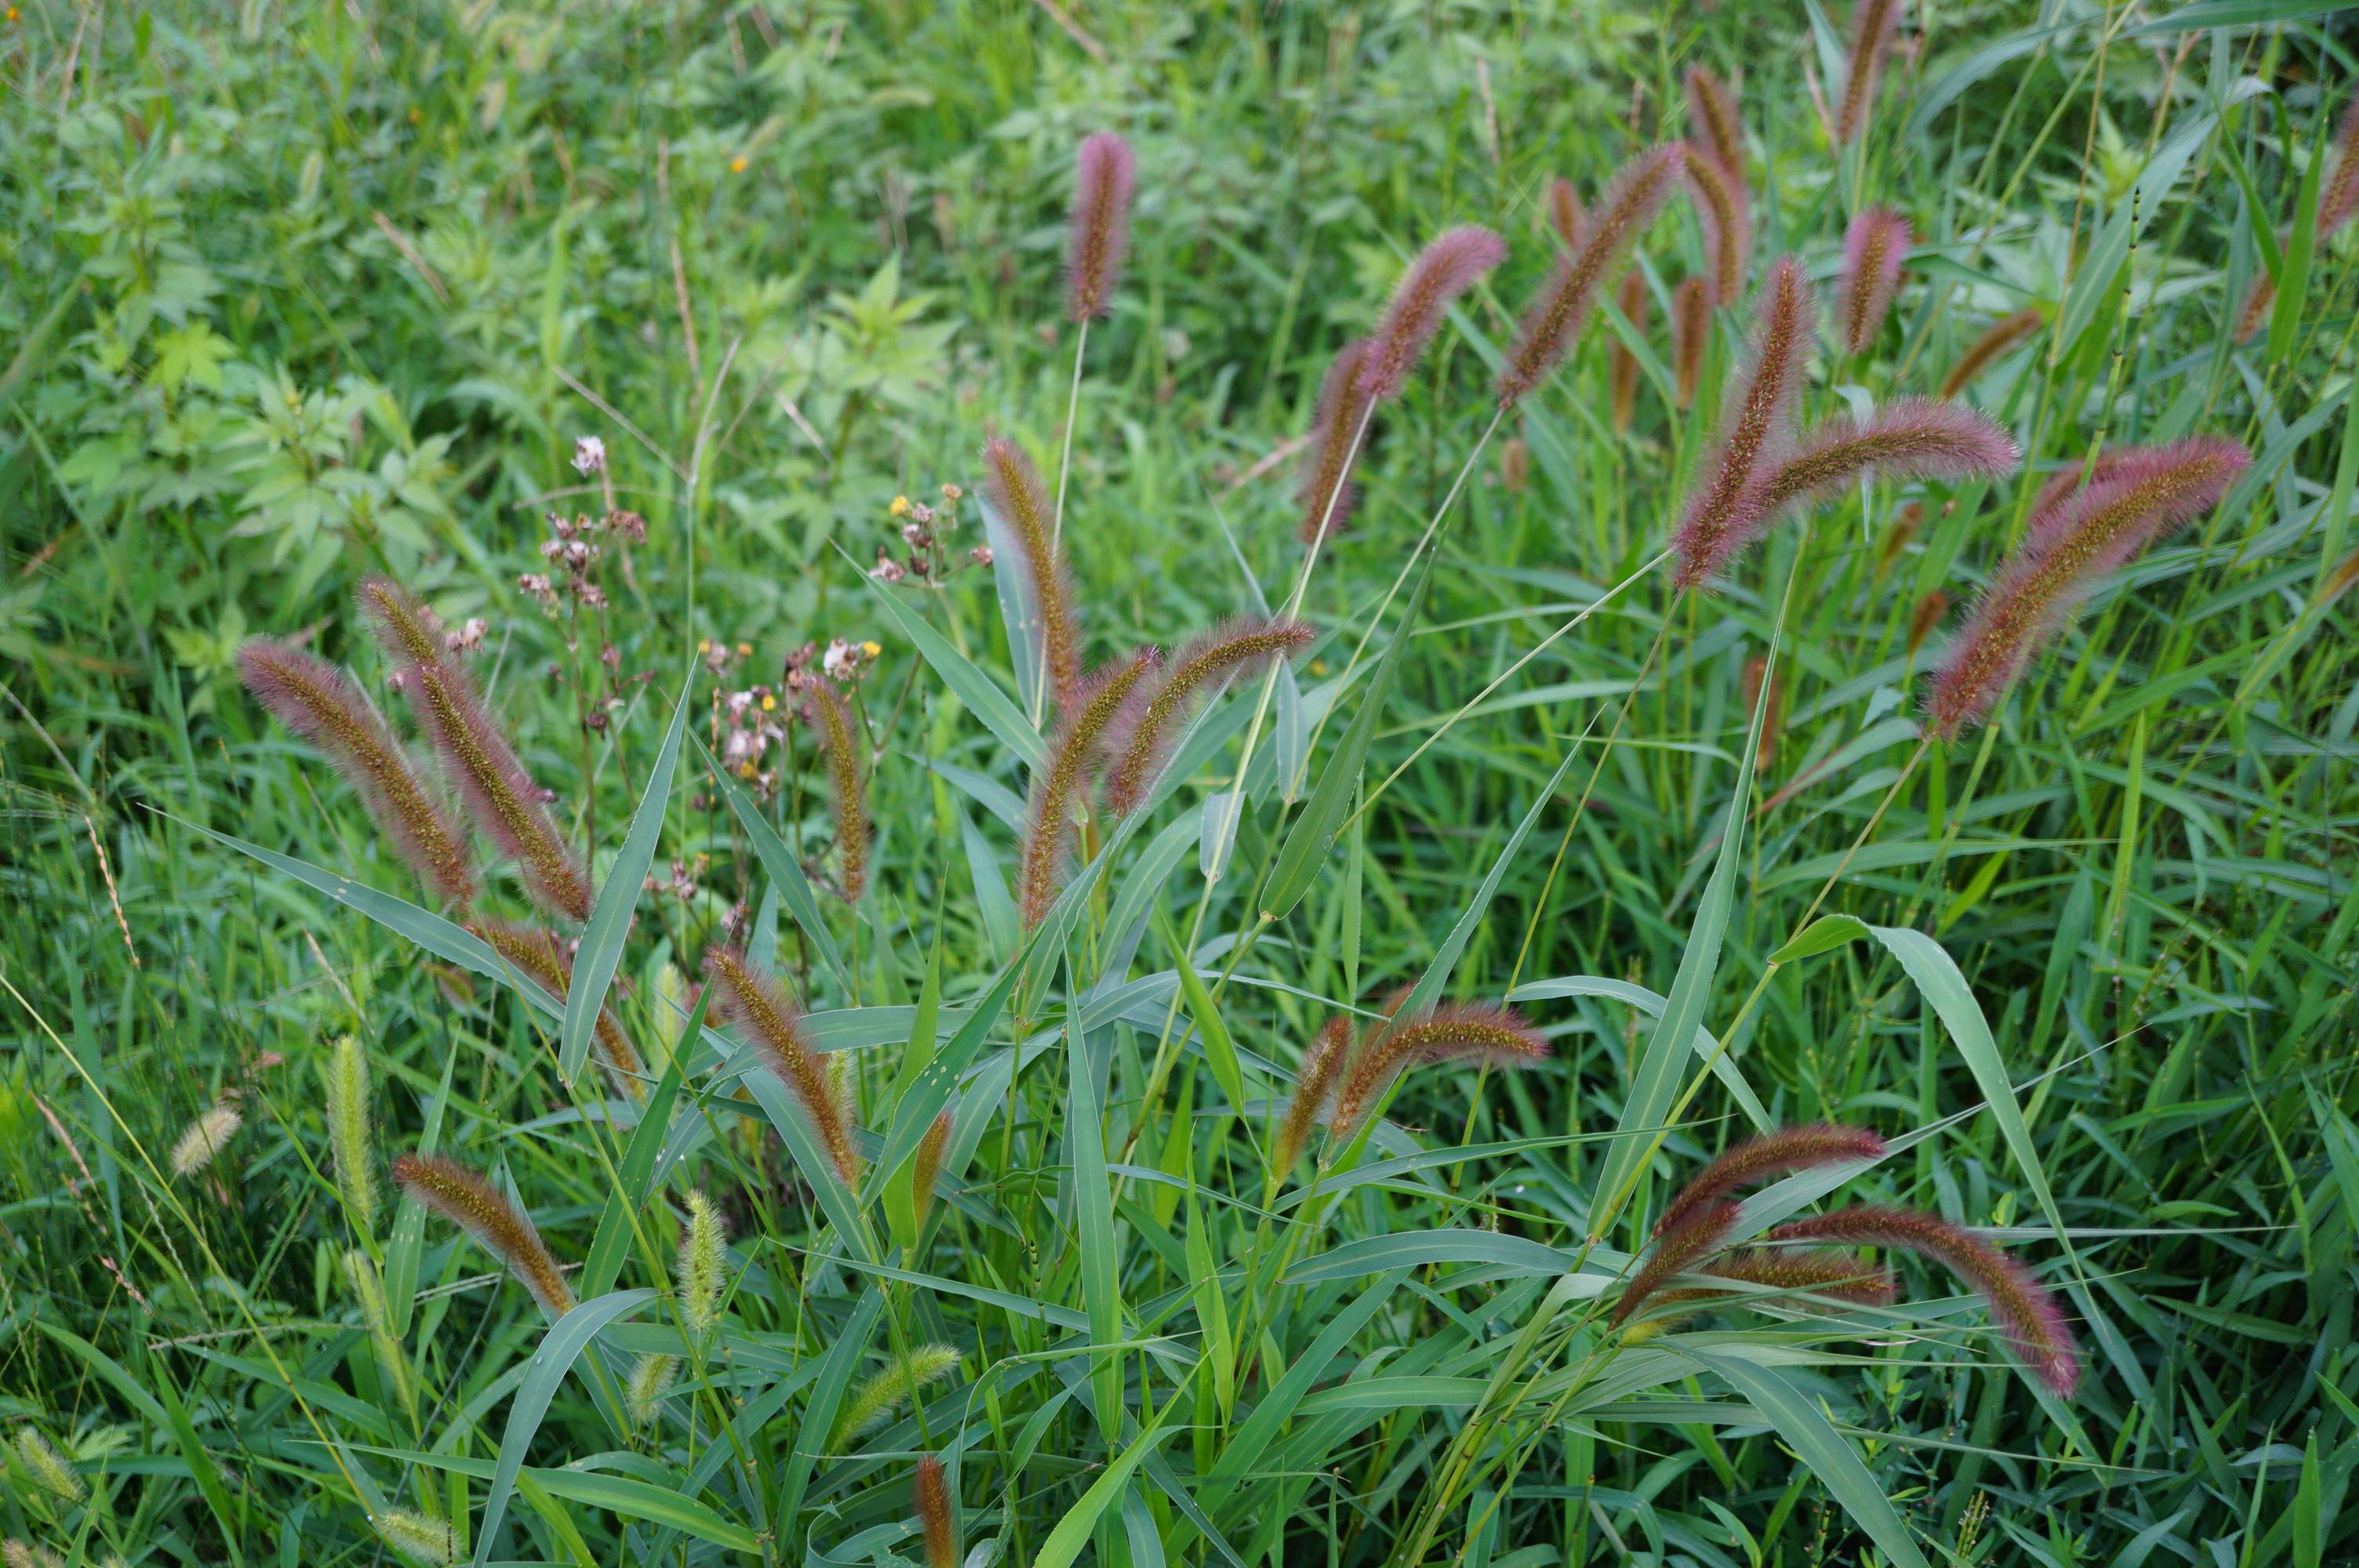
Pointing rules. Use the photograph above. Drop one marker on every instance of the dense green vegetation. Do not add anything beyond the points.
(295, 293)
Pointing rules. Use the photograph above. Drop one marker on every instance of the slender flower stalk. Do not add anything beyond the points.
(1454, 262)
(829, 719)
(1633, 300)
(539, 956)
(368, 1294)
(2028, 1313)
(1013, 487)
(1105, 178)
(1872, 26)
(471, 1203)
(876, 1399)
(1676, 1250)
(1454, 1031)
(204, 1139)
(1777, 1153)
(348, 1131)
(937, 1513)
(773, 1030)
(1724, 208)
(1564, 212)
(1874, 247)
(1076, 749)
(1711, 113)
(1325, 490)
(1754, 433)
(1998, 338)
(500, 795)
(1690, 325)
(2145, 494)
(704, 1265)
(1314, 1085)
(1915, 438)
(1552, 322)
(316, 701)
(1141, 735)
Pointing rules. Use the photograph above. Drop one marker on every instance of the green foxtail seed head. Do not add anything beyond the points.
(415, 1538)
(205, 1138)
(368, 1294)
(48, 1466)
(651, 1378)
(348, 1132)
(702, 1265)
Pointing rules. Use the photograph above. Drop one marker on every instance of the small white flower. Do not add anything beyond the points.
(589, 456)
(842, 660)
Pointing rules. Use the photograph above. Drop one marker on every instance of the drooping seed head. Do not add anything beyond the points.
(1755, 434)
(925, 1165)
(1713, 118)
(501, 798)
(1872, 26)
(1925, 616)
(1013, 487)
(1552, 322)
(1676, 1250)
(540, 957)
(204, 1139)
(1453, 1031)
(2033, 1321)
(1454, 262)
(1076, 750)
(415, 1539)
(471, 1203)
(772, 1026)
(1912, 438)
(1141, 735)
(1564, 214)
(840, 746)
(650, 1379)
(878, 1396)
(1633, 299)
(1314, 1085)
(47, 1466)
(1325, 490)
(2338, 194)
(937, 1513)
(704, 1265)
(1998, 338)
(1819, 1273)
(1776, 1153)
(1691, 327)
(316, 701)
(2146, 492)
(1724, 209)
(348, 1131)
(1874, 247)
(1105, 178)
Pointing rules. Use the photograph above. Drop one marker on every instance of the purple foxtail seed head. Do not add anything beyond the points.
(1453, 1031)
(937, 1513)
(1754, 432)
(1564, 212)
(315, 699)
(1140, 736)
(1105, 178)
(1914, 437)
(1623, 364)
(2338, 194)
(1075, 749)
(1325, 491)
(1712, 113)
(1454, 262)
(1775, 1153)
(2143, 494)
(1677, 1250)
(1872, 26)
(1998, 338)
(772, 1027)
(540, 958)
(501, 798)
(1314, 1085)
(471, 1203)
(1552, 322)
(1691, 326)
(1724, 209)
(2033, 1321)
(1013, 486)
(830, 718)
(1874, 247)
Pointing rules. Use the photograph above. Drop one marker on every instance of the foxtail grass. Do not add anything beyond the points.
(772, 1028)
(1755, 434)
(1552, 322)
(1873, 248)
(1454, 262)
(1724, 209)
(1075, 750)
(1995, 339)
(1013, 487)
(501, 1229)
(1141, 735)
(876, 1399)
(541, 957)
(1624, 365)
(347, 1077)
(842, 750)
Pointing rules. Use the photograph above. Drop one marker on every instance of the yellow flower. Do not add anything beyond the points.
(870, 649)
(738, 164)
(744, 769)
(769, 703)
(745, 650)
(705, 644)
(900, 507)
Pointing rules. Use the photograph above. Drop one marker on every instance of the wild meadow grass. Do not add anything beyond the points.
(815, 783)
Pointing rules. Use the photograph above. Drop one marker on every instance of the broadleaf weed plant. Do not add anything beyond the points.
(1292, 995)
